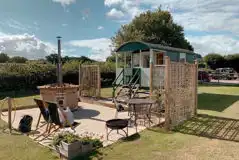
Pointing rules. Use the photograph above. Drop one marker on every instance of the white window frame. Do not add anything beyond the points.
(182, 57)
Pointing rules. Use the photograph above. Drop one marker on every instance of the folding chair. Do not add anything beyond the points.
(53, 121)
(43, 112)
(54, 116)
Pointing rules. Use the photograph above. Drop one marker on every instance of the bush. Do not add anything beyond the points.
(30, 75)
(69, 137)
(22, 76)
(66, 137)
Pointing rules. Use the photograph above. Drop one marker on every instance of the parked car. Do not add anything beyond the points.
(225, 73)
(203, 76)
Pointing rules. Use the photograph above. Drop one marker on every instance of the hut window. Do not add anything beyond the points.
(136, 59)
(146, 61)
(121, 60)
(182, 57)
(128, 60)
(159, 58)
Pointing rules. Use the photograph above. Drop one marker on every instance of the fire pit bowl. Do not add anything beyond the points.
(117, 124)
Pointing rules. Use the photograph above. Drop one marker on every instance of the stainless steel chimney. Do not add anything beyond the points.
(59, 78)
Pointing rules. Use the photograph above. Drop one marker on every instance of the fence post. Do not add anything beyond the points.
(196, 87)
(99, 82)
(167, 89)
(151, 72)
(79, 93)
(9, 114)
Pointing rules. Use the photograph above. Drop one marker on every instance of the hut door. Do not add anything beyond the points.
(128, 70)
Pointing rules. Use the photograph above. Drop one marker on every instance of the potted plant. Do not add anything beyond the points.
(67, 144)
(86, 144)
(89, 143)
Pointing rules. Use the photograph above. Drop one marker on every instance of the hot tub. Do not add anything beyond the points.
(68, 92)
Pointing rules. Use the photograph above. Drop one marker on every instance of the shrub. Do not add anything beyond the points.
(30, 75)
(69, 137)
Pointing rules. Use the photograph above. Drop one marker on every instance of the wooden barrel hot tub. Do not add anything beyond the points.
(68, 92)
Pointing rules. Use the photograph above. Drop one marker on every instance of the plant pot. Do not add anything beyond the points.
(86, 148)
(70, 150)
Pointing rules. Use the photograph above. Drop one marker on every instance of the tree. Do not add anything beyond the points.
(233, 61)
(214, 60)
(201, 65)
(18, 59)
(65, 59)
(153, 27)
(52, 58)
(3, 58)
(110, 58)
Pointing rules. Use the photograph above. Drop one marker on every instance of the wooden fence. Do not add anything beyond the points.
(89, 80)
(177, 83)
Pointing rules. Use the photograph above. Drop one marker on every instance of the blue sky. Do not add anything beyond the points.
(29, 27)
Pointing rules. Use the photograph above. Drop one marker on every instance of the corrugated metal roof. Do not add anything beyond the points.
(139, 45)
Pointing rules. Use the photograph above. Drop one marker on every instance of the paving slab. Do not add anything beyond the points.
(91, 119)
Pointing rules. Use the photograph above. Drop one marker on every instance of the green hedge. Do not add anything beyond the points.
(29, 76)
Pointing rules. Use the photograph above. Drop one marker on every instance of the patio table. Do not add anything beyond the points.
(137, 104)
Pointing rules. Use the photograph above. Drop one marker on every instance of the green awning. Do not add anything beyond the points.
(139, 45)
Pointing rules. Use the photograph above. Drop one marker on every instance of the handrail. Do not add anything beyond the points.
(134, 86)
(130, 83)
(118, 84)
(115, 86)
(136, 73)
(136, 81)
(118, 77)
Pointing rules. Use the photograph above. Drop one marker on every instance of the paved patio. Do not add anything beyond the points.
(91, 119)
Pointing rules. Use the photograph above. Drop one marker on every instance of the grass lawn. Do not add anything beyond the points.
(106, 92)
(157, 145)
(19, 147)
(219, 100)
(21, 98)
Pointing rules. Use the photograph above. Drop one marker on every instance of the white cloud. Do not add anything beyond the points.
(64, 2)
(100, 27)
(100, 48)
(25, 45)
(128, 9)
(131, 9)
(18, 26)
(114, 13)
(214, 43)
(64, 25)
(213, 17)
(110, 3)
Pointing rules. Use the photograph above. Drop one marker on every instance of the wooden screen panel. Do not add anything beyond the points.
(89, 80)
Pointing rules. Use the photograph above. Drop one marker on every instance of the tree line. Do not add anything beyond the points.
(214, 61)
(4, 58)
(52, 58)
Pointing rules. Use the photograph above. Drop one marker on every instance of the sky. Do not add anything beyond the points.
(29, 27)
